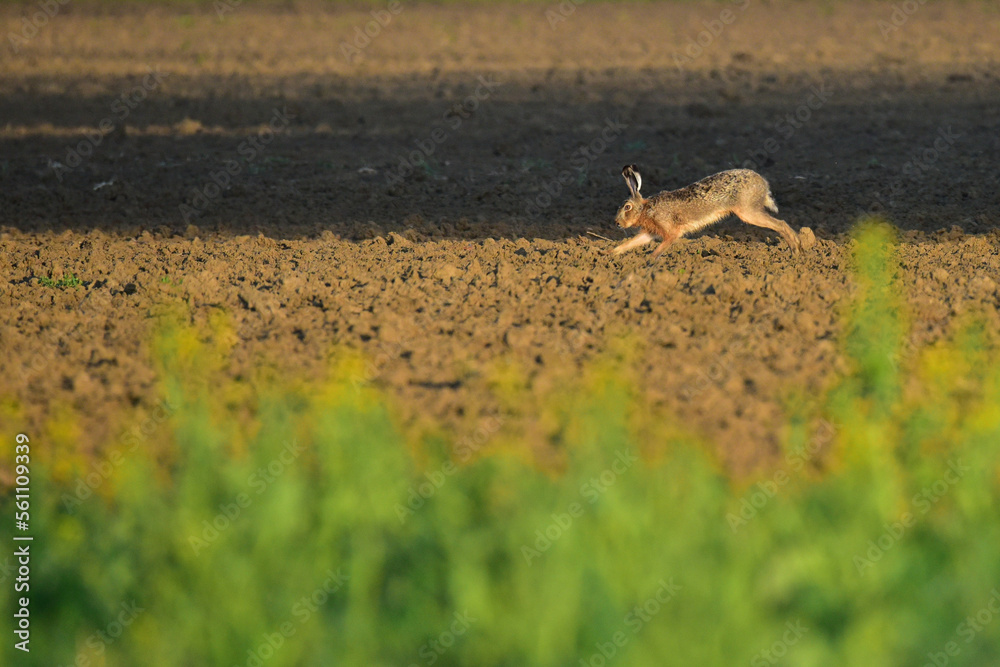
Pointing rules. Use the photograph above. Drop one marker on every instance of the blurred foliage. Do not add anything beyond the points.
(278, 522)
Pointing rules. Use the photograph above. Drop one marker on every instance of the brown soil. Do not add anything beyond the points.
(479, 253)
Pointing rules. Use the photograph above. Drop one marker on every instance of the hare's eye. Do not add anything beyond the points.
(628, 207)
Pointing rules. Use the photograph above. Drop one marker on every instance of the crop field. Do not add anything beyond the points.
(309, 324)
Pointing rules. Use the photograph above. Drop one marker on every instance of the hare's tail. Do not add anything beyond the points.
(769, 203)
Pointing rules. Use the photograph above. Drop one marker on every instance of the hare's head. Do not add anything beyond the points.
(628, 214)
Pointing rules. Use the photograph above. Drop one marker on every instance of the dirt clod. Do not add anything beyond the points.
(806, 238)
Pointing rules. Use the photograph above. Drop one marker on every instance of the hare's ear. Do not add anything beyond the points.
(632, 179)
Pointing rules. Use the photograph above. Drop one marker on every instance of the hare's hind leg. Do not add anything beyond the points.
(762, 219)
(640, 239)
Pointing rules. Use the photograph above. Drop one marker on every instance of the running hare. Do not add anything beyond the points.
(676, 213)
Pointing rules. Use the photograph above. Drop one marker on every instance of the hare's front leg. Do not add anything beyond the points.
(667, 240)
(639, 239)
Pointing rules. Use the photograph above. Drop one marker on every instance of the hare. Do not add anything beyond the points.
(676, 213)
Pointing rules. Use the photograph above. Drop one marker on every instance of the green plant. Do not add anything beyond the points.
(172, 282)
(68, 280)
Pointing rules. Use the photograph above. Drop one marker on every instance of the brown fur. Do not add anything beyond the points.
(676, 213)
(648, 224)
